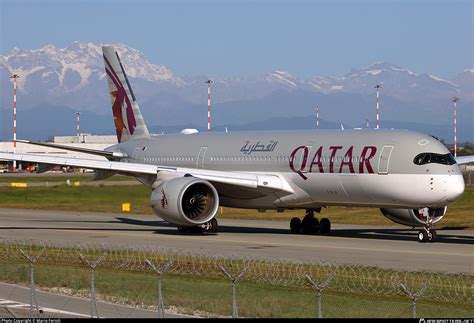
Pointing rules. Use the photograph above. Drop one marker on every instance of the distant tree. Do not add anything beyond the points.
(466, 151)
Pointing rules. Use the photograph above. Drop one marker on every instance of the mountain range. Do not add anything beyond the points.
(56, 82)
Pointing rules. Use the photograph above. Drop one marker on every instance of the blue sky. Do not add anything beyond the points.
(226, 37)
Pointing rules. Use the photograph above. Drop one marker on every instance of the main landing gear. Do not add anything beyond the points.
(310, 224)
(209, 227)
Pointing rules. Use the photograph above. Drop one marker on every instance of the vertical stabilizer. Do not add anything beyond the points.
(128, 120)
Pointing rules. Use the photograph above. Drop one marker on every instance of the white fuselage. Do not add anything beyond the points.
(352, 167)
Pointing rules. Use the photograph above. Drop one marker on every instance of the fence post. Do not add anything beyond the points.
(92, 266)
(32, 261)
(160, 271)
(235, 280)
(319, 288)
(414, 296)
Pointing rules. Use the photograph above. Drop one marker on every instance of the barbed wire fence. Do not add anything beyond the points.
(31, 258)
(319, 276)
(92, 265)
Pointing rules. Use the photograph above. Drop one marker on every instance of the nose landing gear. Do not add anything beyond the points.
(310, 224)
(427, 234)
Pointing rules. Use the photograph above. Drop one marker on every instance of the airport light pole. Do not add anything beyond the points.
(209, 82)
(378, 87)
(455, 100)
(78, 123)
(14, 77)
(317, 118)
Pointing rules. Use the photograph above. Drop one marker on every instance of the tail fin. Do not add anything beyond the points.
(129, 123)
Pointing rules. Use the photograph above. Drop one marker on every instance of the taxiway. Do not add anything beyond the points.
(387, 247)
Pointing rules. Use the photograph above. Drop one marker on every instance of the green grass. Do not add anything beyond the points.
(109, 199)
(87, 199)
(213, 295)
(74, 177)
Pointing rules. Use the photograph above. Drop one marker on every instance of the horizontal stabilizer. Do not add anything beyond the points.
(107, 154)
(461, 160)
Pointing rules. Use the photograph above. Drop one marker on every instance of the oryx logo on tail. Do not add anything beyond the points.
(121, 98)
(127, 117)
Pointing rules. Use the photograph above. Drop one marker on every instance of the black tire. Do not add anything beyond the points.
(316, 226)
(324, 226)
(423, 235)
(295, 225)
(309, 225)
(213, 228)
(434, 236)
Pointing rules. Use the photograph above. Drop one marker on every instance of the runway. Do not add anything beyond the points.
(387, 247)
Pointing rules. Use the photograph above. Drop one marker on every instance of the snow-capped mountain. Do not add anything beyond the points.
(74, 77)
(398, 82)
(465, 81)
(71, 68)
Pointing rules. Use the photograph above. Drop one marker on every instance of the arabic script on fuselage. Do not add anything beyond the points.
(258, 147)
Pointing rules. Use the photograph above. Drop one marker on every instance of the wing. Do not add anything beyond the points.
(268, 181)
(464, 160)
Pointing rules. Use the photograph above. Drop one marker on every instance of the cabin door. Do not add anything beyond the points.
(384, 160)
(200, 158)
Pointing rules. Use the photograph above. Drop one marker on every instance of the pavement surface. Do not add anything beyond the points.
(15, 303)
(387, 247)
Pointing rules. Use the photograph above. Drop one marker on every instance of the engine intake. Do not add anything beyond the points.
(187, 201)
(415, 217)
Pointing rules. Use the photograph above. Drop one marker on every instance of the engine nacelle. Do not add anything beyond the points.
(187, 201)
(415, 217)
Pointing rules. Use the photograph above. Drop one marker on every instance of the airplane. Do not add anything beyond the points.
(411, 177)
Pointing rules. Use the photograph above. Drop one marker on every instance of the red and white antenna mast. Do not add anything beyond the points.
(378, 87)
(209, 82)
(14, 77)
(455, 100)
(317, 118)
(78, 127)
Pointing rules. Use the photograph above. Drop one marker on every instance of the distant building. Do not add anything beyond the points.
(85, 140)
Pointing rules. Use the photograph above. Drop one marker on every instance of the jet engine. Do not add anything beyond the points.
(185, 201)
(415, 217)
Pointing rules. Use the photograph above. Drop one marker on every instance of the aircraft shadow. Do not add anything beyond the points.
(377, 234)
(165, 228)
(399, 235)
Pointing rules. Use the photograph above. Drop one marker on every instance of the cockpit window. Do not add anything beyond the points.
(428, 158)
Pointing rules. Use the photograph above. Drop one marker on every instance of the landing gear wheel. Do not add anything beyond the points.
(324, 226)
(295, 225)
(423, 235)
(213, 226)
(310, 224)
(434, 236)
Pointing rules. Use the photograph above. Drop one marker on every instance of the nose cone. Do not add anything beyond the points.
(454, 187)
